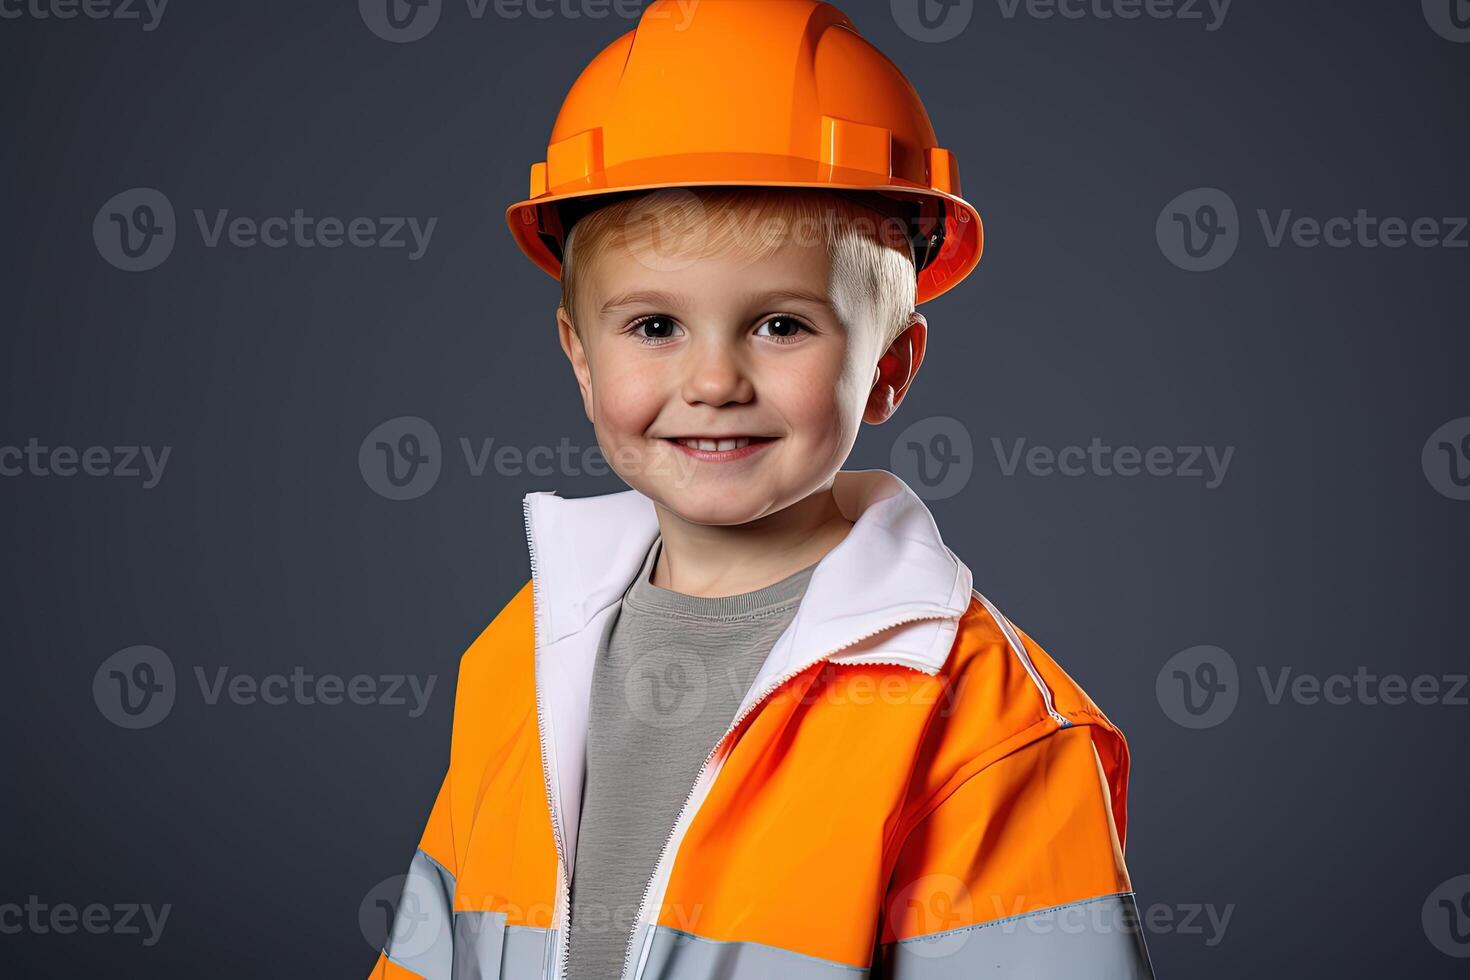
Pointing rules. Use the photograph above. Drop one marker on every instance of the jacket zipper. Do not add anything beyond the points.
(770, 688)
(554, 967)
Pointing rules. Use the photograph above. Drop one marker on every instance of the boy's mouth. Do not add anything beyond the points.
(720, 447)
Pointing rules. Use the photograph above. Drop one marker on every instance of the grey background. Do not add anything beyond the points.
(1326, 548)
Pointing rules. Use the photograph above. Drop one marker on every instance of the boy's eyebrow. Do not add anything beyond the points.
(657, 297)
(649, 297)
(805, 295)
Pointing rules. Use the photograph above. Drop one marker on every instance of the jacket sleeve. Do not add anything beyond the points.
(1017, 872)
(439, 930)
(420, 943)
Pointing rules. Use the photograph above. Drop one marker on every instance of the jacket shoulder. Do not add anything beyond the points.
(1005, 692)
(1000, 670)
(510, 630)
(496, 678)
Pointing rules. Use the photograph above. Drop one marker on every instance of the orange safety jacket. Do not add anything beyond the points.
(911, 788)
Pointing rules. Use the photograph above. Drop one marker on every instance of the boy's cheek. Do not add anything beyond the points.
(820, 404)
(625, 411)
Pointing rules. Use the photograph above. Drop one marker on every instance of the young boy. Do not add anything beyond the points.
(748, 719)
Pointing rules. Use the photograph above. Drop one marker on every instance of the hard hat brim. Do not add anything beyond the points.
(963, 242)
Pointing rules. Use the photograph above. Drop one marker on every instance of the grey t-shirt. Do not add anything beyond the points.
(671, 670)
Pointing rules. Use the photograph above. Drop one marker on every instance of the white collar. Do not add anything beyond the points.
(892, 566)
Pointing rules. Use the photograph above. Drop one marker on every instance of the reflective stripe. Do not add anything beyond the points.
(434, 942)
(422, 939)
(1097, 938)
(479, 945)
(527, 952)
(678, 955)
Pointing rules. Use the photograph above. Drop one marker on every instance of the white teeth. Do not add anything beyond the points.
(715, 445)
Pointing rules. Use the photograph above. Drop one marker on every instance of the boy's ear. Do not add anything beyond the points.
(571, 345)
(896, 370)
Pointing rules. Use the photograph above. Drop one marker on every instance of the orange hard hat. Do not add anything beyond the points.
(767, 93)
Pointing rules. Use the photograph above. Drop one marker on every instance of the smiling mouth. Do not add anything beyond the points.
(719, 444)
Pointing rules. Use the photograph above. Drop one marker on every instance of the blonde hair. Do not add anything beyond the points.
(869, 251)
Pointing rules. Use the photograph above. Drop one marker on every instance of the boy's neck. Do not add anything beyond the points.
(716, 560)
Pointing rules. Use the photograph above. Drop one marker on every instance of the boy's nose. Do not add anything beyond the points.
(715, 376)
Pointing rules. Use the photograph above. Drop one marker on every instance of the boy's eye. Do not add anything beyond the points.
(652, 329)
(783, 328)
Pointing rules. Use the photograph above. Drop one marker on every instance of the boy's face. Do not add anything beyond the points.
(720, 348)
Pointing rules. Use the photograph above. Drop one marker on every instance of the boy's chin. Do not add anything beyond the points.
(712, 505)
